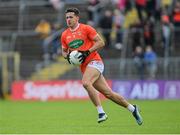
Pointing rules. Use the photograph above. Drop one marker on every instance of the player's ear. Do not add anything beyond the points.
(78, 18)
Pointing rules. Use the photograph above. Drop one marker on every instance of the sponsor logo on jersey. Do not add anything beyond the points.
(76, 43)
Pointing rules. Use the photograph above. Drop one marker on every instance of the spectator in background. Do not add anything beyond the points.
(44, 30)
(136, 30)
(176, 20)
(138, 57)
(150, 59)
(93, 9)
(149, 33)
(166, 33)
(141, 8)
(121, 4)
(118, 21)
(106, 25)
(176, 14)
(168, 5)
(151, 8)
(129, 5)
(157, 11)
(58, 5)
(54, 41)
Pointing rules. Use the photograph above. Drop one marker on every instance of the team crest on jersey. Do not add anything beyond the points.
(79, 33)
(76, 43)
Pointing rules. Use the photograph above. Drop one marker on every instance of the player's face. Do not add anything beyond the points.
(71, 19)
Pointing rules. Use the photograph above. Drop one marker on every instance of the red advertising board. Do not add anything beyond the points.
(49, 90)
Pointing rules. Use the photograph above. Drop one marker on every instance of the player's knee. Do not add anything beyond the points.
(86, 83)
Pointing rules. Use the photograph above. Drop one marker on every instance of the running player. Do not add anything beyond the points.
(86, 40)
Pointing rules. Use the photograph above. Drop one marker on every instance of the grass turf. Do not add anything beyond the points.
(160, 117)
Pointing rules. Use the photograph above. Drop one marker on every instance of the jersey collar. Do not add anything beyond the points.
(72, 30)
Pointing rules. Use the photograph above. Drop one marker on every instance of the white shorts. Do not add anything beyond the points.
(97, 65)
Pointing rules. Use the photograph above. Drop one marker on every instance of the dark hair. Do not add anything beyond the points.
(74, 10)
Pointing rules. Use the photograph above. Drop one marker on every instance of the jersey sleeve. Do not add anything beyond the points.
(91, 32)
(63, 43)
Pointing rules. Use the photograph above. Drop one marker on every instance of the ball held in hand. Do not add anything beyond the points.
(74, 57)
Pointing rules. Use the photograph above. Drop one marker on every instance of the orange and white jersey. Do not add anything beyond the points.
(82, 39)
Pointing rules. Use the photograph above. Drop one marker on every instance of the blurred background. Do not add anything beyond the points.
(142, 41)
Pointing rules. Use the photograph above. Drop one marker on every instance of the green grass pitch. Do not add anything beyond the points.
(80, 117)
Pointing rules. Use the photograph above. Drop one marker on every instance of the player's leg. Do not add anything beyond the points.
(101, 85)
(89, 77)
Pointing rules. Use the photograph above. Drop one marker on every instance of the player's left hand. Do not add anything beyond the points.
(83, 55)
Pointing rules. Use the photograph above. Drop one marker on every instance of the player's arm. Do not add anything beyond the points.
(64, 46)
(65, 49)
(65, 52)
(98, 44)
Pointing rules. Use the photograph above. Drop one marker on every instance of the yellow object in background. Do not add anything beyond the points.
(166, 2)
(43, 28)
